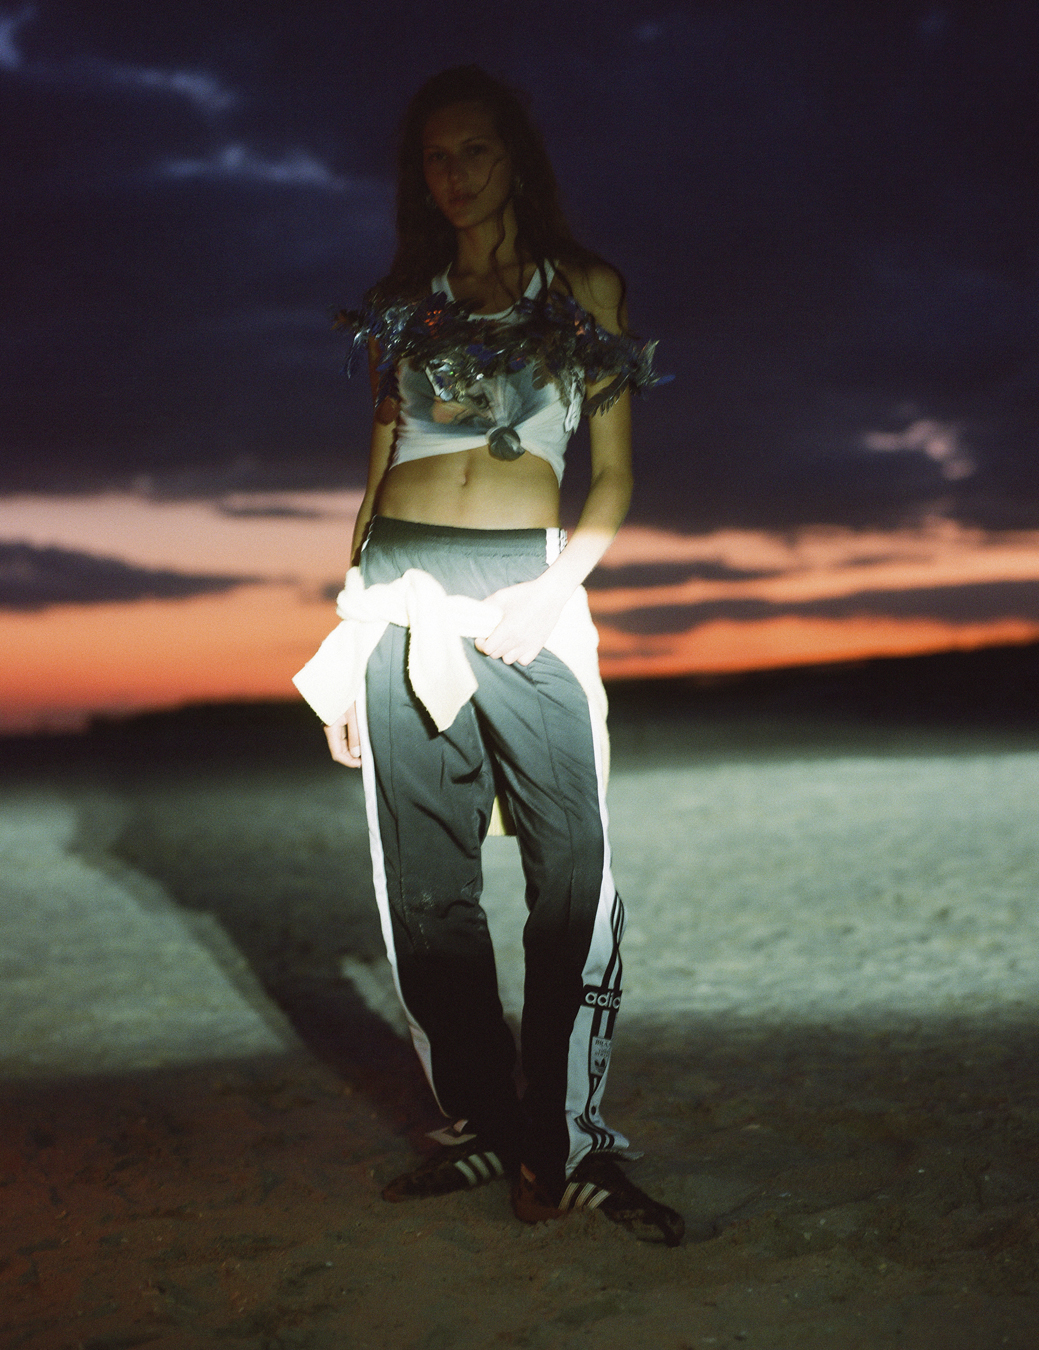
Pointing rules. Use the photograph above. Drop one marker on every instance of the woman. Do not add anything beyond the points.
(492, 329)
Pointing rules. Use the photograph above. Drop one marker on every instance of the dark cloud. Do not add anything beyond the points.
(34, 578)
(828, 214)
(666, 574)
(977, 603)
(273, 512)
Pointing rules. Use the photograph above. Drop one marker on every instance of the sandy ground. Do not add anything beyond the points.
(826, 1050)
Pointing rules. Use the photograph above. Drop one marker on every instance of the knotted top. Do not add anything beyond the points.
(513, 381)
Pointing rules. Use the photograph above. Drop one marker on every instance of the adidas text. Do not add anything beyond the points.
(601, 998)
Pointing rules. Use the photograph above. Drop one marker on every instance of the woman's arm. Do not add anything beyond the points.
(530, 610)
(344, 742)
(378, 463)
(384, 428)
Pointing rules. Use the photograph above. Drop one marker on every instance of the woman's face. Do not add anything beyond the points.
(467, 166)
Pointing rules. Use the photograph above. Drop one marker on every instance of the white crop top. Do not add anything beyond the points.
(512, 413)
(514, 381)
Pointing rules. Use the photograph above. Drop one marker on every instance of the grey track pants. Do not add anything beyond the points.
(525, 734)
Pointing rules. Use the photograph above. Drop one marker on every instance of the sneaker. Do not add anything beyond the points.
(598, 1183)
(460, 1167)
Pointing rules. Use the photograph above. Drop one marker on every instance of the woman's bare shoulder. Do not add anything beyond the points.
(597, 288)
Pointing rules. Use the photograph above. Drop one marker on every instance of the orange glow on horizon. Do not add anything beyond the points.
(75, 660)
(63, 663)
(726, 646)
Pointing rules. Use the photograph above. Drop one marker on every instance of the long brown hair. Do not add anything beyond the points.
(426, 241)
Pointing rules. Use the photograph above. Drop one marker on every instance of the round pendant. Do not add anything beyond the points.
(504, 443)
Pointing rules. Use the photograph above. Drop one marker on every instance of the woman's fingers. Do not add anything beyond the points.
(528, 617)
(508, 647)
(344, 741)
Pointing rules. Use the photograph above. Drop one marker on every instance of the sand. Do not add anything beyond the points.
(826, 1054)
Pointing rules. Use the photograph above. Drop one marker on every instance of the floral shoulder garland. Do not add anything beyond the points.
(557, 336)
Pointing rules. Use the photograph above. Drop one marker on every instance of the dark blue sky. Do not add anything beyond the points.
(826, 212)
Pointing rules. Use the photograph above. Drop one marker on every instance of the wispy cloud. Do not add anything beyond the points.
(202, 90)
(670, 574)
(981, 602)
(272, 511)
(942, 442)
(820, 564)
(11, 57)
(296, 168)
(33, 578)
(819, 594)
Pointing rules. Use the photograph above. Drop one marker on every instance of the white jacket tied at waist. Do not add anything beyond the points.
(438, 667)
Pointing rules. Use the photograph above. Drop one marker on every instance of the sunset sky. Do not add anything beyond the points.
(827, 213)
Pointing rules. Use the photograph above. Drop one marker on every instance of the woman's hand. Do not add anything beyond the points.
(344, 741)
(530, 611)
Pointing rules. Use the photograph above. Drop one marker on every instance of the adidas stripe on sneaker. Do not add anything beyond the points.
(460, 1167)
(598, 1183)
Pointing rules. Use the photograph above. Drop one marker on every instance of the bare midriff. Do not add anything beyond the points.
(472, 490)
